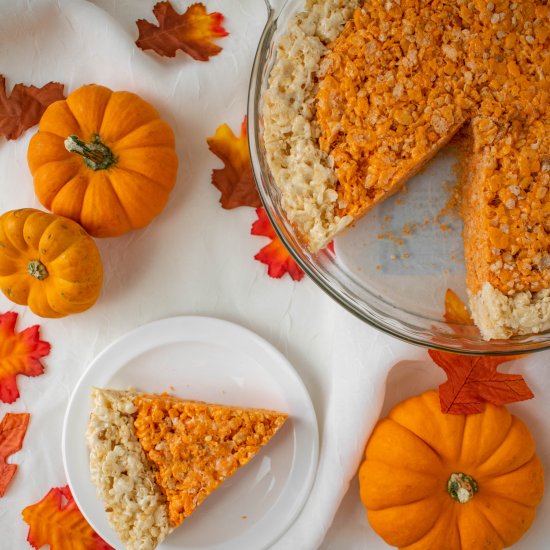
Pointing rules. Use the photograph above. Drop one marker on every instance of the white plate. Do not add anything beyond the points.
(219, 362)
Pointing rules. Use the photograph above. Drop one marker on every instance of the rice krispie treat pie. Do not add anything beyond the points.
(398, 81)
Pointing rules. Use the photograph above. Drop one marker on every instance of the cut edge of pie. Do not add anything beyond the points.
(150, 473)
(500, 316)
(497, 307)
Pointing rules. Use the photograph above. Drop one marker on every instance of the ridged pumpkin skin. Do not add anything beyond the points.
(410, 457)
(36, 244)
(123, 193)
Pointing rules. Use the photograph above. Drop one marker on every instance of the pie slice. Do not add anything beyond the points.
(155, 458)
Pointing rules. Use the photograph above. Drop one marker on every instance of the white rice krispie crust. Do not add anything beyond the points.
(136, 507)
(301, 171)
(501, 316)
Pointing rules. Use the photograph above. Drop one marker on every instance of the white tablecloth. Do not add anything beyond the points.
(197, 258)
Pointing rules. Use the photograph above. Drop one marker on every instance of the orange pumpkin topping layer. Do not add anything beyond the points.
(390, 97)
(196, 446)
(404, 76)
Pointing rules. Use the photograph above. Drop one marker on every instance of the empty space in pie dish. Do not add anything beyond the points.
(408, 250)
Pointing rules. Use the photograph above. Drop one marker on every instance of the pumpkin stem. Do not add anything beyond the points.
(96, 154)
(462, 487)
(37, 269)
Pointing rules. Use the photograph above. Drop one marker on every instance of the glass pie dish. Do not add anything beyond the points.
(393, 267)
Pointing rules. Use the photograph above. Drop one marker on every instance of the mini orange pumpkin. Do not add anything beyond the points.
(434, 481)
(104, 159)
(48, 262)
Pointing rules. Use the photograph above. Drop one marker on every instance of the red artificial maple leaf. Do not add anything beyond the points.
(57, 521)
(473, 380)
(191, 32)
(275, 255)
(235, 180)
(25, 106)
(20, 353)
(12, 432)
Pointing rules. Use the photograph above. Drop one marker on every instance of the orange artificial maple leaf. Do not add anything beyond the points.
(25, 106)
(275, 255)
(20, 353)
(191, 32)
(455, 310)
(12, 432)
(235, 180)
(57, 521)
(473, 380)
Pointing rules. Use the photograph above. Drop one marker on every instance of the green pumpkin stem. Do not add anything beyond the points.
(462, 487)
(96, 154)
(37, 269)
